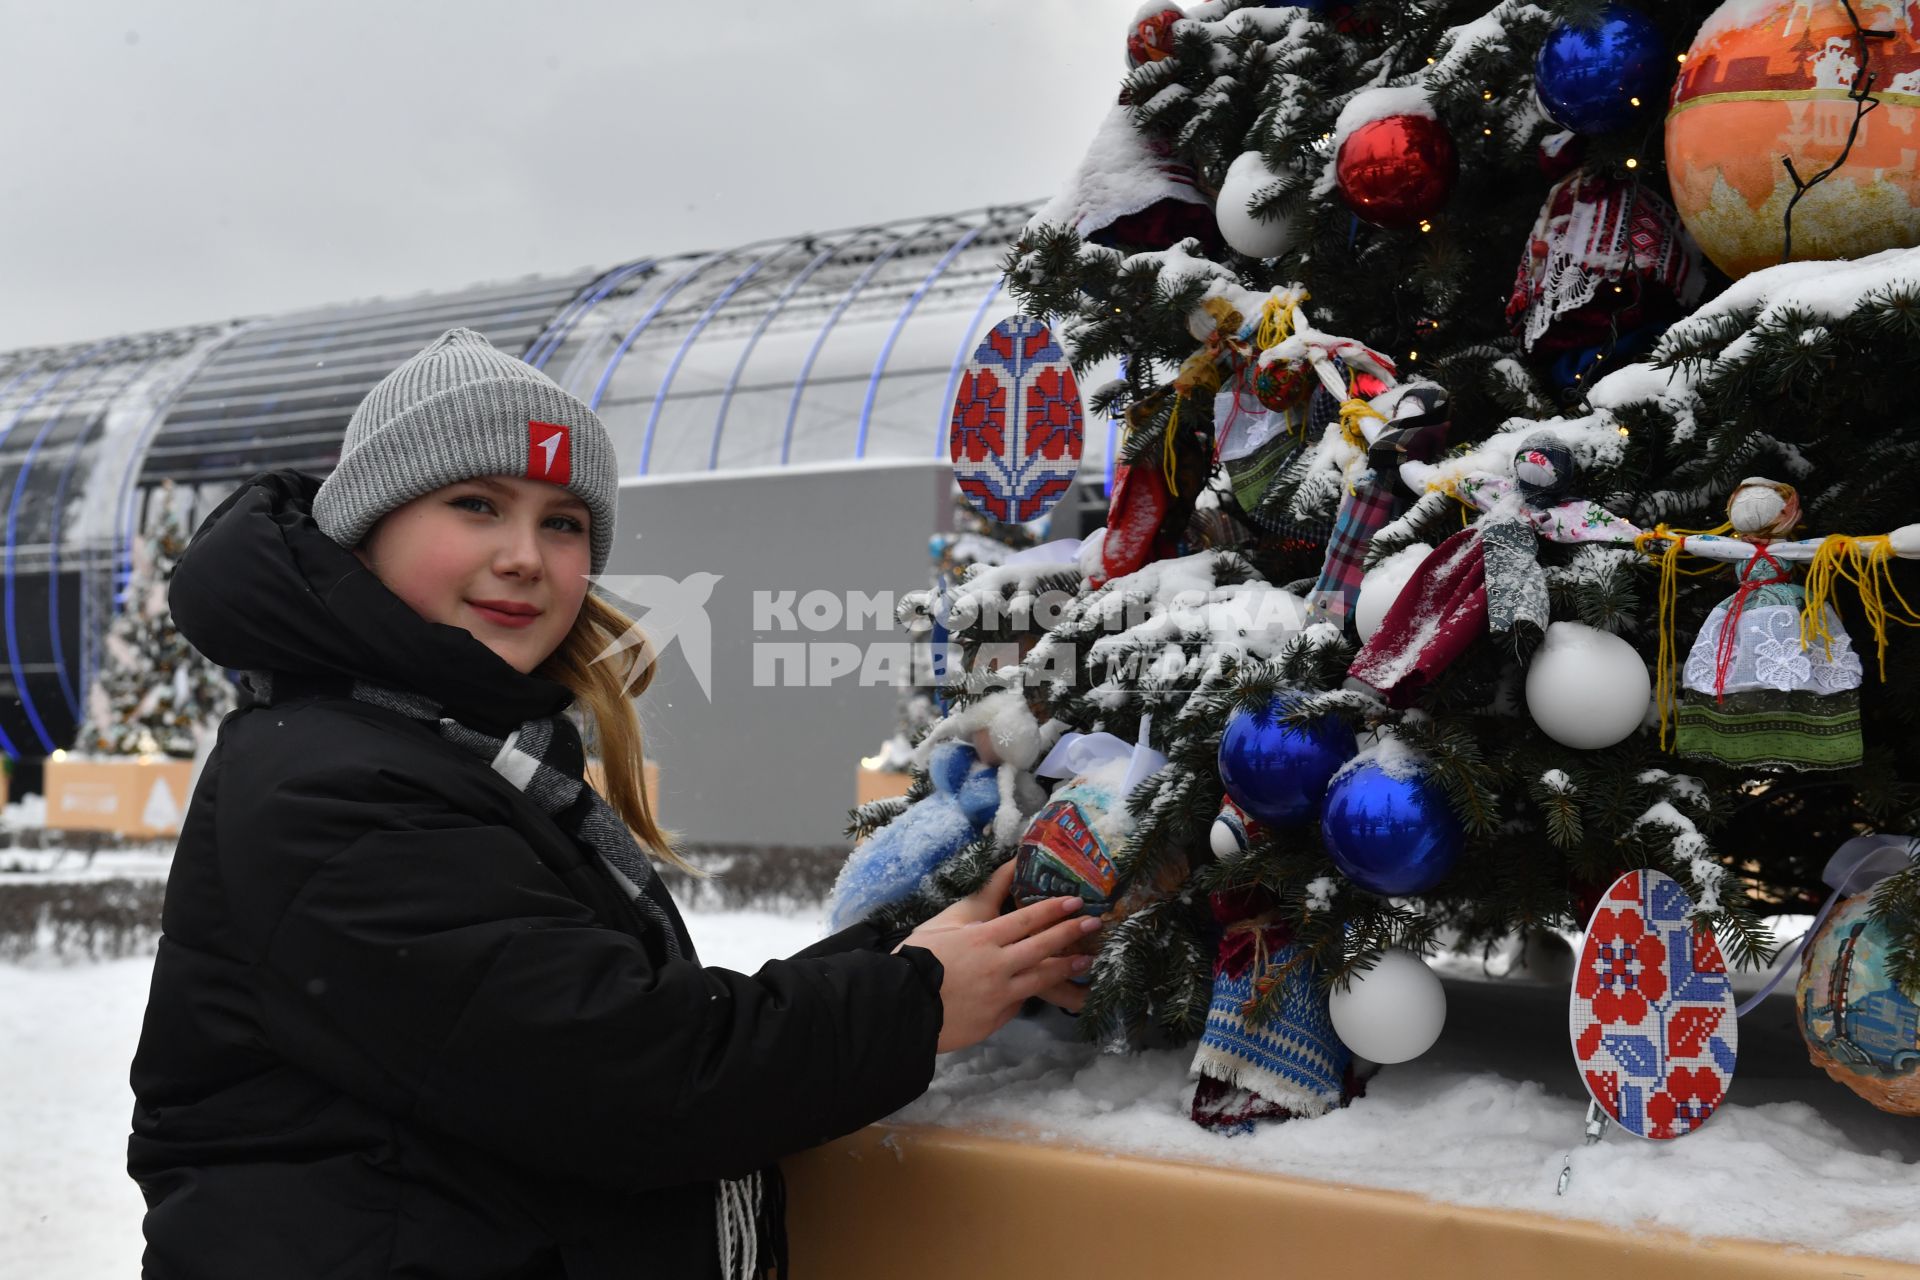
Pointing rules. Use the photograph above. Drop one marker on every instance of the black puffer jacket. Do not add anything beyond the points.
(400, 1025)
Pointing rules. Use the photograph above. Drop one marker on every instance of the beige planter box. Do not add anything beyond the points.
(894, 1201)
(877, 784)
(128, 797)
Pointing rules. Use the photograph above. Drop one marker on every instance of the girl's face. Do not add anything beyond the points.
(520, 545)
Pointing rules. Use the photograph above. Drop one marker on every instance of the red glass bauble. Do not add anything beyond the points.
(1152, 37)
(1398, 170)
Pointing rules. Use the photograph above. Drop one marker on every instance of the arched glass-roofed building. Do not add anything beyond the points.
(814, 350)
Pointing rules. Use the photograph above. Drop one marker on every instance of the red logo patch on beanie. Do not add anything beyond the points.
(549, 452)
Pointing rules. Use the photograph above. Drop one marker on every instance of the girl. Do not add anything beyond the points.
(422, 1008)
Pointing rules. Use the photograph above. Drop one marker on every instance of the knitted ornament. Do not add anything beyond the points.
(1288, 1063)
(891, 863)
(1234, 831)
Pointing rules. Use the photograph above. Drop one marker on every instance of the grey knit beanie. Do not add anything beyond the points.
(462, 408)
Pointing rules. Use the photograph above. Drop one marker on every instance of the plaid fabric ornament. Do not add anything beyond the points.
(1368, 508)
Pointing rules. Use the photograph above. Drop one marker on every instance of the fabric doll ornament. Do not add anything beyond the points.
(1372, 499)
(1489, 579)
(1416, 430)
(1606, 256)
(890, 864)
(1286, 1065)
(1757, 692)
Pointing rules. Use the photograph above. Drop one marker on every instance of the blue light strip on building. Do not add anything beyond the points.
(659, 304)
(555, 335)
(893, 334)
(820, 339)
(67, 690)
(942, 438)
(739, 366)
(686, 344)
(26, 371)
(13, 517)
(136, 458)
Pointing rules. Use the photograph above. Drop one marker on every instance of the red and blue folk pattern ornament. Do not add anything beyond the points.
(1017, 431)
(1652, 1014)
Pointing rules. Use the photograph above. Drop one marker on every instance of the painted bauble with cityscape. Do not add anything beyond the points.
(1860, 1029)
(1767, 81)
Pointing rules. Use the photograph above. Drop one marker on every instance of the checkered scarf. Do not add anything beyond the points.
(547, 761)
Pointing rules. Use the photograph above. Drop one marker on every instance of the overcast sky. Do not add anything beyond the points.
(178, 161)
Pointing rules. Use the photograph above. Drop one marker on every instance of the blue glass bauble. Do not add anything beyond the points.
(1588, 78)
(1276, 772)
(1390, 835)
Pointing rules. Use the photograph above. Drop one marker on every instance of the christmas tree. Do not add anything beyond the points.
(154, 694)
(973, 540)
(1477, 537)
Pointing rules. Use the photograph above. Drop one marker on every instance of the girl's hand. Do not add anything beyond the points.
(994, 963)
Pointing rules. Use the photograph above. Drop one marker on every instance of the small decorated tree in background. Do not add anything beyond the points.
(974, 541)
(154, 694)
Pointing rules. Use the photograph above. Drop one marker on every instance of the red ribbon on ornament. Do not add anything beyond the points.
(1727, 648)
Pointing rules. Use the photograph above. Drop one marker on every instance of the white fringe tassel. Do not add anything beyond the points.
(737, 1203)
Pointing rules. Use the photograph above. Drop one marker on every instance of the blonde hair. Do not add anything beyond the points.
(605, 691)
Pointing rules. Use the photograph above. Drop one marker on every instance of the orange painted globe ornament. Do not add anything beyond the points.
(1860, 1028)
(1768, 80)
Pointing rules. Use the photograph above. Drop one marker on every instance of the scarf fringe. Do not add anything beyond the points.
(737, 1205)
(1241, 1074)
(750, 1216)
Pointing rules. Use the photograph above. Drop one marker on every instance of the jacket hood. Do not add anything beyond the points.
(261, 588)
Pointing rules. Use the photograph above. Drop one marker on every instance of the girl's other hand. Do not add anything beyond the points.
(994, 963)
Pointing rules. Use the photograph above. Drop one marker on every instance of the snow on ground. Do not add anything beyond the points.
(1776, 1172)
(68, 1211)
(48, 866)
(1484, 1119)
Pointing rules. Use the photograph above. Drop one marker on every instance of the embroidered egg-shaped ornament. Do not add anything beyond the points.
(1017, 430)
(1652, 1014)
